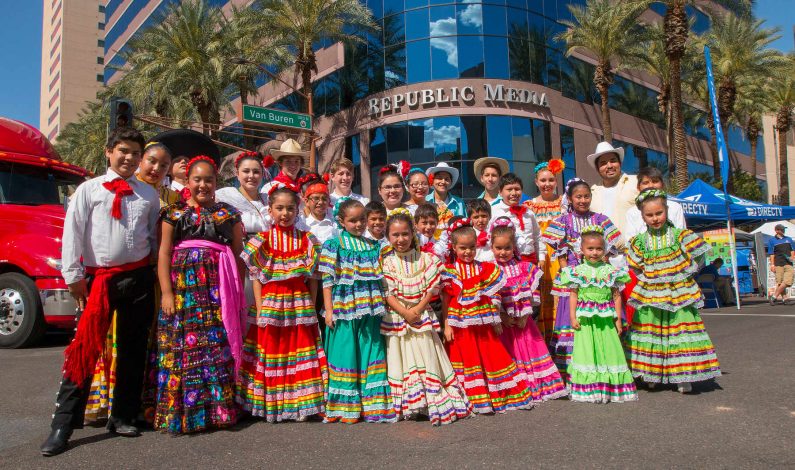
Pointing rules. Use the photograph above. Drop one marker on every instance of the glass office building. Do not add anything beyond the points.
(446, 80)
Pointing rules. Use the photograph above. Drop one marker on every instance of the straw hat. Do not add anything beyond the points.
(288, 148)
(444, 167)
(603, 149)
(501, 163)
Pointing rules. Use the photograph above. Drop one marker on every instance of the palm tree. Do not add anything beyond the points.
(677, 31)
(303, 24)
(81, 142)
(752, 103)
(182, 56)
(609, 31)
(783, 100)
(740, 51)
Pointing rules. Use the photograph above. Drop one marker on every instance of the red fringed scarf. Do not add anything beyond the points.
(120, 189)
(80, 357)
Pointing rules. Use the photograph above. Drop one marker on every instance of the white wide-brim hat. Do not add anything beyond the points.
(501, 163)
(603, 149)
(443, 166)
(288, 148)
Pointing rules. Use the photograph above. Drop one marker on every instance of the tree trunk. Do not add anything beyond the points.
(669, 140)
(248, 140)
(752, 133)
(643, 156)
(603, 77)
(676, 32)
(202, 108)
(783, 124)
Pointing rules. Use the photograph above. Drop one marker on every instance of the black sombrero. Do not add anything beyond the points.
(188, 143)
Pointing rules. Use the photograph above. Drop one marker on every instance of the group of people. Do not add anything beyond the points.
(298, 299)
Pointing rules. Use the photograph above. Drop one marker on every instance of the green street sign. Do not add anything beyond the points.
(276, 118)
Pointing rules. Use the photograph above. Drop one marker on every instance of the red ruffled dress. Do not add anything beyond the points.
(492, 380)
(284, 368)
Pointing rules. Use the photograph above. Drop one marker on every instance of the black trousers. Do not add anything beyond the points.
(132, 297)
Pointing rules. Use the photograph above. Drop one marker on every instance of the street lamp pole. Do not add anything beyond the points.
(307, 97)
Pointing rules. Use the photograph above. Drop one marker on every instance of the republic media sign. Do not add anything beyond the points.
(492, 93)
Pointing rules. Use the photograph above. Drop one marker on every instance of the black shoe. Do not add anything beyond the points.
(57, 442)
(117, 426)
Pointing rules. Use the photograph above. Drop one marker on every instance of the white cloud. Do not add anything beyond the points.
(445, 135)
(472, 16)
(445, 27)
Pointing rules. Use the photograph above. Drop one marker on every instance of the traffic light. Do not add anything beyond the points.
(121, 113)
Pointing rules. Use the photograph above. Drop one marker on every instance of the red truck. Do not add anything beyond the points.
(35, 185)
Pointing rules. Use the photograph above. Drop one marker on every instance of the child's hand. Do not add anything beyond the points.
(448, 334)
(575, 323)
(412, 316)
(507, 321)
(521, 323)
(498, 328)
(619, 326)
(167, 303)
(329, 317)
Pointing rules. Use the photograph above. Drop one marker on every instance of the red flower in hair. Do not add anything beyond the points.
(268, 161)
(403, 168)
(202, 158)
(326, 177)
(430, 179)
(556, 165)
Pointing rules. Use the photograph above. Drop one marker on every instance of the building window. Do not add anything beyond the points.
(100, 78)
(53, 116)
(101, 8)
(101, 26)
(100, 43)
(100, 60)
(567, 153)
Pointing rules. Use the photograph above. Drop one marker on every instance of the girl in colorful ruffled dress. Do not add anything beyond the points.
(470, 294)
(421, 377)
(667, 341)
(353, 297)
(520, 334)
(563, 237)
(199, 330)
(547, 206)
(284, 367)
(598, 371)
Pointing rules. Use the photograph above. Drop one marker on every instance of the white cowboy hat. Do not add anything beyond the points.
(603, 149)
(288, 148)
(501, 163)
(443, 166)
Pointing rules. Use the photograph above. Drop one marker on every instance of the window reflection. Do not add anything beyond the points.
(470, 57)
(417, 24)
(470, 18)
(418, 58)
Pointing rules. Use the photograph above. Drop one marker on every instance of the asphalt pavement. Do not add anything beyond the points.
(744, 420)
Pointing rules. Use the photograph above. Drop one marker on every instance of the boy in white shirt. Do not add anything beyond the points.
(375, 213)
(341, 176)
(652, 178)
(480, 214)
(315, 218)
(527, 231)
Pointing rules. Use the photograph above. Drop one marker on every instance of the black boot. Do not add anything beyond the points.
(57, 442)
(122, 428)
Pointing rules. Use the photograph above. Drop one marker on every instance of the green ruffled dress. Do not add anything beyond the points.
(598, 371)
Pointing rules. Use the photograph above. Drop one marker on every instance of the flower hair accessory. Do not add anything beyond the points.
(326, 177)
(335, 212)
(556, 166)
(401, 168)
(649, 194)
(202, 158)
(457, 224)
(280, 185)
(248, 155)
(268, 161)
(398, 211)
(593, 230)
(501, 222)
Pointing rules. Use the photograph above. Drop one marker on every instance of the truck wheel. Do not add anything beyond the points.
(21, 317)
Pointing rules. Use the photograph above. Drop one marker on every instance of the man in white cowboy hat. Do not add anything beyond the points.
(291, 159)
(489, 170)
(444, 177)
(617, 192)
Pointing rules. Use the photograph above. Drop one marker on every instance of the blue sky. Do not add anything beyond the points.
(20, 53)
